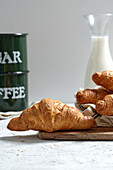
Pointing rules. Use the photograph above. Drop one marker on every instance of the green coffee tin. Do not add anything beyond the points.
(13, 52)
(13, 72)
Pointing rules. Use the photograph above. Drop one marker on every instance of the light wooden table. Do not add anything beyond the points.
(25, 151)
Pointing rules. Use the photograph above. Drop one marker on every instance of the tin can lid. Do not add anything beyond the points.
(13, 34)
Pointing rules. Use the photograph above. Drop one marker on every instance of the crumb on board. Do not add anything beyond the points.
(54, 144)
(17, 154)
(21, 151)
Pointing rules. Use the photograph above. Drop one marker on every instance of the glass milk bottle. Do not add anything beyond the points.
(100, 57)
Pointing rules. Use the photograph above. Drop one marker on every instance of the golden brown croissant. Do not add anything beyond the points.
(51, 115)
(105, 106)
(104, 79)
(90, 95)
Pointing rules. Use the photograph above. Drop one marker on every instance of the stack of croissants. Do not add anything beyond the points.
(52, 115)
(102, 97)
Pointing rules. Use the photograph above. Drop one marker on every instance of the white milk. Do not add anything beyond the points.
(99, 60)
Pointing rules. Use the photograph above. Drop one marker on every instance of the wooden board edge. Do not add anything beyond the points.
(96, 134)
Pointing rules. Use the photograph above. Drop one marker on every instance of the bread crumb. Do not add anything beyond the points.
(21, 151)
(18, 150)
(22, 141)
(17, 155)
(54, 144)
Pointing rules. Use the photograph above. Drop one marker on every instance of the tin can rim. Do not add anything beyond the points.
(14, 73)
(14, 34)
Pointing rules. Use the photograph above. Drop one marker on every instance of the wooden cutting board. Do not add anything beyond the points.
(95, 134)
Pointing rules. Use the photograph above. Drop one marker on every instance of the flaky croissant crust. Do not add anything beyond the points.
(51, 115)
(91, 95)
(104, 79)
(105, 106)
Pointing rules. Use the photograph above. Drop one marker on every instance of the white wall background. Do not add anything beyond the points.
(58, 42)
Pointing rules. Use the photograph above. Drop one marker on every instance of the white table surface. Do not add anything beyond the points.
(25, 151)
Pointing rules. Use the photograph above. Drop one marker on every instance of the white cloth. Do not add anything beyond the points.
(6, 115)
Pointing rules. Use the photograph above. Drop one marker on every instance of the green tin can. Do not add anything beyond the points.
(13, 72)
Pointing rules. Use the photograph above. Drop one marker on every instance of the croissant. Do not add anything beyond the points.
(105, 106)
(104, 79)
(90, 95)
(51, 115)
